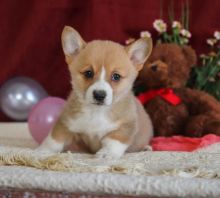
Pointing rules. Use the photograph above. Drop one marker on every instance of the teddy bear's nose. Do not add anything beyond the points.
(154, 67)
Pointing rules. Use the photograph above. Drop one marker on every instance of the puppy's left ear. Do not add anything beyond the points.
(139, 51)
(72, 43)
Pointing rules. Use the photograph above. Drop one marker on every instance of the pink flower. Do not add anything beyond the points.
(160, 25)
(145, 34)
(211, 41)
(129, 41)
(217, 35)
(185, 33)
(176, 24)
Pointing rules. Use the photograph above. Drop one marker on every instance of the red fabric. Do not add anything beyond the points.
(165, 93)
(30, 32)
(180, 143)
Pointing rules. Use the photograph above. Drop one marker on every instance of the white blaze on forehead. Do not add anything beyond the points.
(103, 73)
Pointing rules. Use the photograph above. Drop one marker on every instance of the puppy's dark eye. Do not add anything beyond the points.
(116, 77)
(89, 74)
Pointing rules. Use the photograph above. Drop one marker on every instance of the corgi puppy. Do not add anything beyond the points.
(102, 116)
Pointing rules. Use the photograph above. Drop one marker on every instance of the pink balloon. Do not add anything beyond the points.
(43, 116)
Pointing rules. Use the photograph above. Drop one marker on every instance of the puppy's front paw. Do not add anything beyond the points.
(108, 154)
(43, 148)
(111, 149)
(50, 145)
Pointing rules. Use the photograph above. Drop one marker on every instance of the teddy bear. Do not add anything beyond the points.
(174, 108)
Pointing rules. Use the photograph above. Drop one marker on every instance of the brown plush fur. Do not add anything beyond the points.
(198, 113)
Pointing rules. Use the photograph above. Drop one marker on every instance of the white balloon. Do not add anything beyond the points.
(18, 95)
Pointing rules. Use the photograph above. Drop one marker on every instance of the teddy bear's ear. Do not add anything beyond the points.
(190, 55)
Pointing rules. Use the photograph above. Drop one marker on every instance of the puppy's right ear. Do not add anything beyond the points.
(72, 43)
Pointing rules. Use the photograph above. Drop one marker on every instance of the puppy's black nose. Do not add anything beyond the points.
(154, 67)
(99, 95)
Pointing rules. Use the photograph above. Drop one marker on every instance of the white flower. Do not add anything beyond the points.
(218, 63)
(211, 41)
(217, 35)
(204, 56)
(129, 41)
(185, 40)
(176, 24)
(160, 26)
(145, 34)
(185, 33)
(211, 79)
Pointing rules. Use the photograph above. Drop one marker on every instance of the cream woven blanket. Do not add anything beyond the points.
(146, 173)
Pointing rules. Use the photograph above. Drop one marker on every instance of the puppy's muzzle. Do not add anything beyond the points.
(99, 96)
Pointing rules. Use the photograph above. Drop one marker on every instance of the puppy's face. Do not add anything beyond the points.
(102, 71)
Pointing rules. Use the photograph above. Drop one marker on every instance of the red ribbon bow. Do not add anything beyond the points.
(166, 93)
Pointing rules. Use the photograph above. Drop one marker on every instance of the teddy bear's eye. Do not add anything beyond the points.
(154, 67)
(116, 77)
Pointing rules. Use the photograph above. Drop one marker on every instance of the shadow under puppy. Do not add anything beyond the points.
(102, 115)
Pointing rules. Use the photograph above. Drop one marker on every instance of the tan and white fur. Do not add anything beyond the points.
(102, 115)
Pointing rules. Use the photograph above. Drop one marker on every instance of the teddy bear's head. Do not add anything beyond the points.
(169, 65)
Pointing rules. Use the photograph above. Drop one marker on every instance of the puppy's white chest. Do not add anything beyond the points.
(93, 122)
